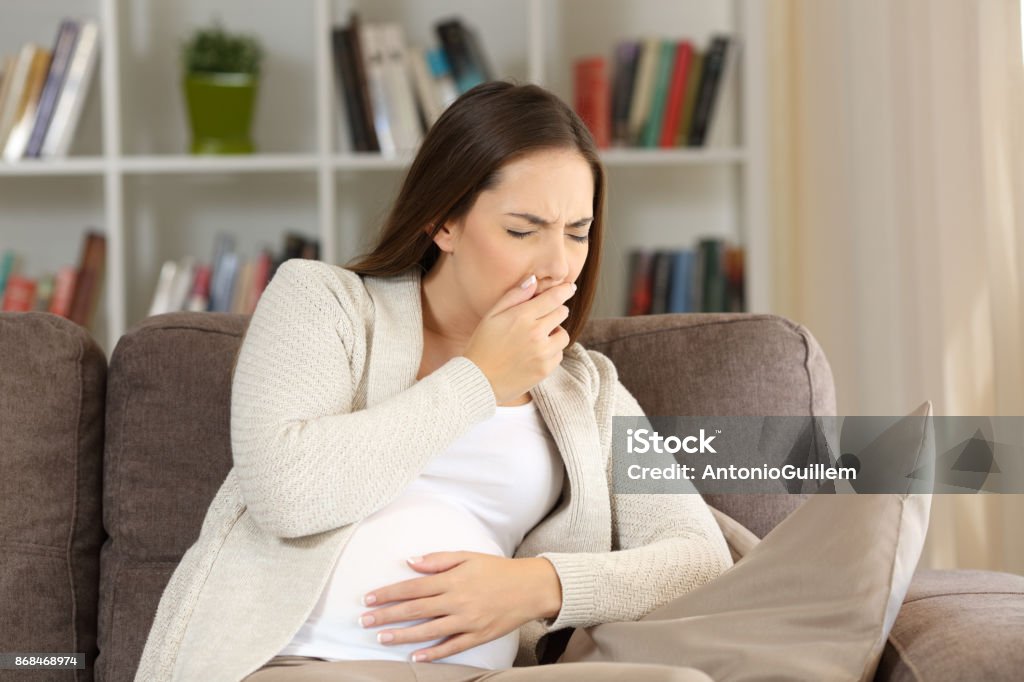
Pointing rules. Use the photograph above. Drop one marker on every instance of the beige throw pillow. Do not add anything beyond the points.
(815, 599)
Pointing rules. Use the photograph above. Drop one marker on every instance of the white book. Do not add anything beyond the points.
(407, 129)
(181, 285)
(68, 112)
(373, 60)
(18, 78)
(426, 90)
(161, 297)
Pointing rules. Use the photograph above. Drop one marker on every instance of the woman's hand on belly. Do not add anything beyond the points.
(470, 597)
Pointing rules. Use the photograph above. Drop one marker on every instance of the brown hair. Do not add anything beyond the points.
(462, 155)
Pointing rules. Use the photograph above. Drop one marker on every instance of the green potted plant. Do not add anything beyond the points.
(221, 76)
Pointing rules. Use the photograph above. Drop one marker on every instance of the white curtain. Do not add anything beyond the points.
(898, 210)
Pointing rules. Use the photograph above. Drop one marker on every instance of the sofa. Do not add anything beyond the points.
(108, 469)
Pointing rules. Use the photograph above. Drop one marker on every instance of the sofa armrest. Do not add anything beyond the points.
(957, 625)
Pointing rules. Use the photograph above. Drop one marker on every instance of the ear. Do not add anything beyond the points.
(447, 236)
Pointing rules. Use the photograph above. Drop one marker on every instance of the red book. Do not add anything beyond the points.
(593, 98)
(199, 297)
(20, 294)
(63, 291)
(676, 93)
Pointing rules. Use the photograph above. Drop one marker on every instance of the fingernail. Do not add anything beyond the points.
(384, 637)
(369, 599)
(530, 280)
(415, 559)
(418, 657)
(366, 620)
(574, 287)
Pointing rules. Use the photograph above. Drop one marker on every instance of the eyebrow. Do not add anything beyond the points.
(535, 220)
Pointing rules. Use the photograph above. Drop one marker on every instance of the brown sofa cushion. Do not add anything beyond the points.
(168, 449)
(957, 625)
(51, 463)
(721, 364)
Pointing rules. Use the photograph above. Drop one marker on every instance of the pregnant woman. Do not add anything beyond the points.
(421, 447)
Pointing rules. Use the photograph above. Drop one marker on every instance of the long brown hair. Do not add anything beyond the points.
(462, 155)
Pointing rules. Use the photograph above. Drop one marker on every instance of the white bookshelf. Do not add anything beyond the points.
(129, 173)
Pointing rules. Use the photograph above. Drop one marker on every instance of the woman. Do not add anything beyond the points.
(426, 402)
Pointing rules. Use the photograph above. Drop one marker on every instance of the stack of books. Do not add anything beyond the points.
(228, 284)
(70, 292)
(663, 93)
(42, 92)
(391, 91)
(706, 278)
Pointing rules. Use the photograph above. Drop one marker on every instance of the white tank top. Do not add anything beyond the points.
(483, 494)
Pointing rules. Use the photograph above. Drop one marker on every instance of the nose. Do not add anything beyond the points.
(553, 263)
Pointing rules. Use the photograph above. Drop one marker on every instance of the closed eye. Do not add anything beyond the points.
(523, 235)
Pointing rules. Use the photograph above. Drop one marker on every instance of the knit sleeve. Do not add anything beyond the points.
(307, 462)
(663, 545)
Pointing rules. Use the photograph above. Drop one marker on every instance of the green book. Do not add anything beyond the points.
(666, 56)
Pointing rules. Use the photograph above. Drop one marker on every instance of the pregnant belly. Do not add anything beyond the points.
(375, 556)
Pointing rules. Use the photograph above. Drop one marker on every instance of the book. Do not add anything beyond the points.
(666, 56)
(643, 90)
(25, 114)
(735, 297)
(19, 295)
(639, 297)
(348, 89)
(661, 268)
(677, 91)
(44, 292)
(592, 99)
(622, 89)
(723, 127)
(712, 278)
(199, 298)
(680, 297)
(690, 98)
(222, 273)
(261, 276)
(380, 106)
(243, 284)
(181, 284)
(10, 264)
(11, 107)
(442, 73)
(73, 94)
(428, 95)
(464, 55)
(63, 291)
(63, 48)
(355, 46)
(10, 64)
(89, 278)
(405, 122)
(160, 302)
(708, 89)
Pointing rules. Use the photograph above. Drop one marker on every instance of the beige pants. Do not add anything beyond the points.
(305, 669)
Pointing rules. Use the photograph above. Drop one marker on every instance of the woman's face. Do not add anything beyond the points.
(502, 240)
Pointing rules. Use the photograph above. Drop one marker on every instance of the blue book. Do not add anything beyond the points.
(680, 288)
